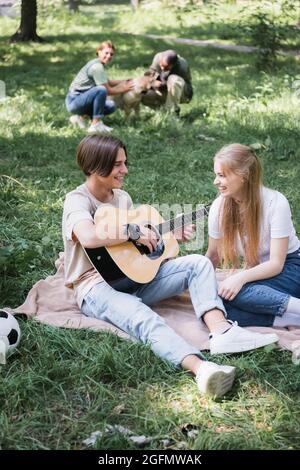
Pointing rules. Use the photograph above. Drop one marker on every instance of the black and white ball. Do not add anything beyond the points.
(10, 333)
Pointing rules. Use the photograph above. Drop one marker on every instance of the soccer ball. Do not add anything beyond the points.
(9, 334)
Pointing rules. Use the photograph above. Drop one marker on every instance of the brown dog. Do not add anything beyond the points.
(130, 100)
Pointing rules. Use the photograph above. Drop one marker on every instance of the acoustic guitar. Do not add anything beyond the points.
(131, 259)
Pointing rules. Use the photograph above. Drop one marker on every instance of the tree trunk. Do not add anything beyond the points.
(134, 4)
(73, 5)
(27, 28)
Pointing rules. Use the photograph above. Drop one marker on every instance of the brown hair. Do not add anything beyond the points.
(105, 44)
(97, 154)
(244, 218)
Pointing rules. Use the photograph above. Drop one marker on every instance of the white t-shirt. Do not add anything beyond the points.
(276, 223)
(80, 205)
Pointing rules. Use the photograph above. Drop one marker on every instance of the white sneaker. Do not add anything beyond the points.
(213, 379)
(78, 121)
(99, 128)
(237, 339)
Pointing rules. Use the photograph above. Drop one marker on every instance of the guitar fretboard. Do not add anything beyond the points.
(182, 220)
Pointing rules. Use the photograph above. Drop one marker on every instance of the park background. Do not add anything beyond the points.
(62, 385)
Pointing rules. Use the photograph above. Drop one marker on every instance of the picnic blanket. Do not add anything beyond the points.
(51, 303)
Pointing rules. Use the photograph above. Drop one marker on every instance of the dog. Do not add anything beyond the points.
(130, 100)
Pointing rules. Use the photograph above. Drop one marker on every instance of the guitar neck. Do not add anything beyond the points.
(182, 220)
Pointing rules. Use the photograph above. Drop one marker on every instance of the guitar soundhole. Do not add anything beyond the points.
(155, 254)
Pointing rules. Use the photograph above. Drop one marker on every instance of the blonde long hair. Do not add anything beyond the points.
(242, 219)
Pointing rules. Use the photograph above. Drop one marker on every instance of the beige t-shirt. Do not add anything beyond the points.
(81, 205)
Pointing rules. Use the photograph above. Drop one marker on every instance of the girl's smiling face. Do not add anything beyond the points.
(228, 183)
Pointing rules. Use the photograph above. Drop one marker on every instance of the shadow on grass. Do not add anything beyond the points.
(58, 67)
(52, 157)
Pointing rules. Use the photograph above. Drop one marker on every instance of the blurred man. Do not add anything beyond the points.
(176, 82)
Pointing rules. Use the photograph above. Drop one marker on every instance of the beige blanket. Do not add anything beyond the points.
(50, 302)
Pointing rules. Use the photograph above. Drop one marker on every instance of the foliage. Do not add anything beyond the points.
(270, 29)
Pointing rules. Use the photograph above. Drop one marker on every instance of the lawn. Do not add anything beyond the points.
(62, 385)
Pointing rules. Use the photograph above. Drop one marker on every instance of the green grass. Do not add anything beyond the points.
(61, 385)
(220, 21)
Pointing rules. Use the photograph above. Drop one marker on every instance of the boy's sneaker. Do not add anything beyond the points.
(213, 379)
(78, 121)
(237, 339)
(99, 128)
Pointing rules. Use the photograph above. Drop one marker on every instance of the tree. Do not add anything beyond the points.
(134, 4)
(27, 28)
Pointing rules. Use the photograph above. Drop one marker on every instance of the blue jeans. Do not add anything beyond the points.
(128, 307)
(93, 103)
(259, 302)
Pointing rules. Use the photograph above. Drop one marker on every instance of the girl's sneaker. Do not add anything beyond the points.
(78, 121)
(99, 128)
(213, 379)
